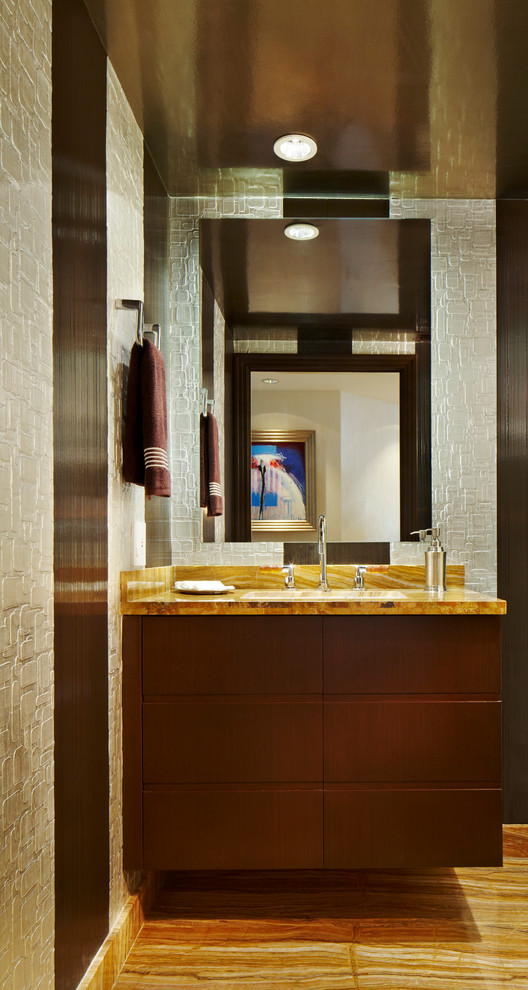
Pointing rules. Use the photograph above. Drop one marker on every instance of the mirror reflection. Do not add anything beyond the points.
(355, 421)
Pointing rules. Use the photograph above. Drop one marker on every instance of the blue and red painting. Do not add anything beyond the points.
(278, 481)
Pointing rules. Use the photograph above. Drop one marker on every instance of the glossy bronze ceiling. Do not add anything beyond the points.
(428, 91)
(366, 273)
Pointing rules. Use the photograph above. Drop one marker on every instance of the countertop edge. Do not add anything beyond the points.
(214, 606)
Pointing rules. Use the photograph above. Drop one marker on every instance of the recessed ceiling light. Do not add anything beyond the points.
(270, 381)
(295, 147)
(301, 231)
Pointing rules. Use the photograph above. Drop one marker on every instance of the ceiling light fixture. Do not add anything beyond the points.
(295, 147)
(270, 381)
(301, 231)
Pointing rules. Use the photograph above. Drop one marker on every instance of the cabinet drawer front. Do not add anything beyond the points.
(222, 654)
(406, 829)
(412, 654)
(412, 741)
(233, 830)
(217, 741)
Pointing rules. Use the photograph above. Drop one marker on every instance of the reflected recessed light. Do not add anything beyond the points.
(270, 381)
(295, 147)
(301, 231)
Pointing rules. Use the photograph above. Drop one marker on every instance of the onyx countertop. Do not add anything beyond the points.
(389, 590)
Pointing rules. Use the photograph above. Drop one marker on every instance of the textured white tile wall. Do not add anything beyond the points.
(226, 194)
(266, 342)
(26, 498)
(463, 370)
(124, 166)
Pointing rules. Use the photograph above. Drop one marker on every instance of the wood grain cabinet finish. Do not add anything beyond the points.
(222, 654)
(385, 829)
(222, 829)
(274, 742)
(412, 741)
(221, 742)
(411, 654)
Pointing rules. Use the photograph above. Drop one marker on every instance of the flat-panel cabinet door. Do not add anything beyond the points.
(412, 654)
(233, 829)
(240, 741)
(222, 654)
(406, 828)
(412, 740)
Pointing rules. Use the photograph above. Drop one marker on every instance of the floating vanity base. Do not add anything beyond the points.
(284, 741)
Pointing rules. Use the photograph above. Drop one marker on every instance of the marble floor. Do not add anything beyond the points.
(429, 930)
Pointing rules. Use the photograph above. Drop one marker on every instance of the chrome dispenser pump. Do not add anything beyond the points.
(435, 560)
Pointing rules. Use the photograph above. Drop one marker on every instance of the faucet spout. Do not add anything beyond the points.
(323, 583)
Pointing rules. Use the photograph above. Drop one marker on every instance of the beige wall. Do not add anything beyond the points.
(26, 498)
(370, 469)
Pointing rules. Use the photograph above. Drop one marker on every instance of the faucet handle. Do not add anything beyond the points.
(359, 580)
(289, 579)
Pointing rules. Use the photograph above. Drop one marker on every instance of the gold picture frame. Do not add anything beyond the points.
(282, 483)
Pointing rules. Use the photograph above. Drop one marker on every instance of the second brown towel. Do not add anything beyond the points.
(210, 484)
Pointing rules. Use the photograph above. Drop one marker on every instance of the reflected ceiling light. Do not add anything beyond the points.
(301, 231)
(295, 147)
(270, 381)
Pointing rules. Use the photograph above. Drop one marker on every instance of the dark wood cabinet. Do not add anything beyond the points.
(218, 741)
(270, 742)
(226, 828)
(412, 740)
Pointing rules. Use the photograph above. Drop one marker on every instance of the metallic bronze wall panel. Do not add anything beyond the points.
(81, 467)
(310, 207)
(338, 553)
(512, 132)
(512, 462)
(156, 310)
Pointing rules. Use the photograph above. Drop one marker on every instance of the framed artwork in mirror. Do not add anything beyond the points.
(283, 480)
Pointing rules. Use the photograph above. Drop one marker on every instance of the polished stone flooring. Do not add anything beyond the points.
(390, 930)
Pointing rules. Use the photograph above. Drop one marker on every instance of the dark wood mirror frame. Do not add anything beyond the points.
(415, 428)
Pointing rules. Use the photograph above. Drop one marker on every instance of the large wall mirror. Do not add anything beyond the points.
(362, 285)
(372, 450)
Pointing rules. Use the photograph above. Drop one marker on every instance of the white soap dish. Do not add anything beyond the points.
(203, 587)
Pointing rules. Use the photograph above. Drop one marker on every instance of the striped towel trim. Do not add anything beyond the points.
(156, 457)
(215, 488)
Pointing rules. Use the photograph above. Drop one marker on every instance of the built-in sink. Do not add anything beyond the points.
(313, 594)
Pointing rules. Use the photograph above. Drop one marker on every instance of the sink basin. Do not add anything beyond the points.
(312, 594)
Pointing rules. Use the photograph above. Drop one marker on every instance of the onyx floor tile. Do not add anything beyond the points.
(458, 929)
(276, 965)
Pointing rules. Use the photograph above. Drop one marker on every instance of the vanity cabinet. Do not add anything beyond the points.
(310, 741)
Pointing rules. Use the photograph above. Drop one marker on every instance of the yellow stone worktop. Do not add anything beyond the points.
(389, 590)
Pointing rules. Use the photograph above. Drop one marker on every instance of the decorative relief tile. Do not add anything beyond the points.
(463, 370)
(223, 193)
(26, 499)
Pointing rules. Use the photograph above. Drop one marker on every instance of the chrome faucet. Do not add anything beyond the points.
(289, 579)
(359, 580)
(323, 583)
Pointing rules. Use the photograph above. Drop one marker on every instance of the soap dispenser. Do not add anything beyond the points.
(435, 560)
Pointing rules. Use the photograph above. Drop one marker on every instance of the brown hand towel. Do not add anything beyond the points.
(154, 409)
(215, 505)
(133, 457)
(203, 462)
